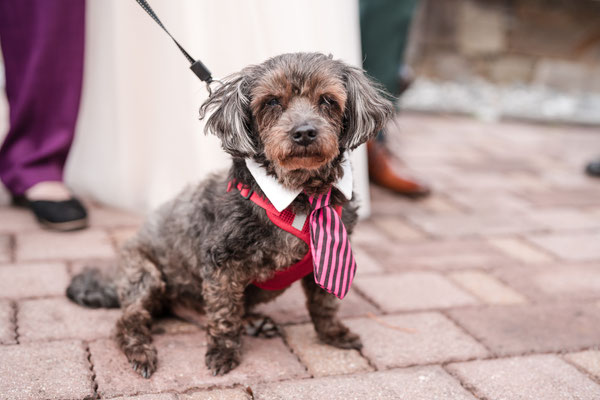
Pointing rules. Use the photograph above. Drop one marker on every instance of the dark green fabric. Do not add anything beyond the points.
(384, 26)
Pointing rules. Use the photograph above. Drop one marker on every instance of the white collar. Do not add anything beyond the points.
(281, 197)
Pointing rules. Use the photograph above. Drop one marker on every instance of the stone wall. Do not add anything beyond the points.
(545, 45)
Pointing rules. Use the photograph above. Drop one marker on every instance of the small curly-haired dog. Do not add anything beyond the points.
(295, 116)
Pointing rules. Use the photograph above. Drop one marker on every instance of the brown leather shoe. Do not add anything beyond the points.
(382, 173)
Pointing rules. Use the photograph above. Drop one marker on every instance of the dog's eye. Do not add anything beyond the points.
(273, 102)
(327, 101)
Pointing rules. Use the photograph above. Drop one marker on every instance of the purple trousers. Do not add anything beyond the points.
(42, 43)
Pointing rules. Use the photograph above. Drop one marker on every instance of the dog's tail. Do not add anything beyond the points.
(93, 288)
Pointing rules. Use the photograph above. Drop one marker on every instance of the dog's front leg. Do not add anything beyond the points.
(323, 307)
(223, 295)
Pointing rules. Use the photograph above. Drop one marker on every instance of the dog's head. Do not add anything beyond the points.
(296, 114)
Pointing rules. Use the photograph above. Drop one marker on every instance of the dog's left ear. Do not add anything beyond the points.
(367, 109)
(231, 118)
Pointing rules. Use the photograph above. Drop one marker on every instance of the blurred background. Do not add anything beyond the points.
(531, 59)
(139, 141)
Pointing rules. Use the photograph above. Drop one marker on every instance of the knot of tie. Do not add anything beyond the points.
(320, 201)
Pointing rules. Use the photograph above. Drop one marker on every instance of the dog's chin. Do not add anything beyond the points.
(304, 160)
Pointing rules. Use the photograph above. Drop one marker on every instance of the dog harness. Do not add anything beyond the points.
(334, 270)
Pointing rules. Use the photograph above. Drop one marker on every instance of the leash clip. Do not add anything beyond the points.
(201, 71)
(209, 88)
(197, 67)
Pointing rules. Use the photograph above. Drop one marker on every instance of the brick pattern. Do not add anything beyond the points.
(59, 318)
(413, 291)
(423, 338)
(16, 220)
(7, 328)
(588, 360)
(160, 396)
(120, 235)
(533, 377)
(181, 366)
(556, 281)
(366, 263)
(573, 247)
(224, 394)
(290, 307)
(55, 370)
(397, 229)
(441, 255)
(520, 250)
(518, 329)
(105, 217)
(482, 223)
(320, 359)
(529, 43)
(5, 249)
(414, 384)
(488, 289)
(33, 280)
(41, 246)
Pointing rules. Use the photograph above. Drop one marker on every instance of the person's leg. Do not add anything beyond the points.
(385, 25)
(42, 43)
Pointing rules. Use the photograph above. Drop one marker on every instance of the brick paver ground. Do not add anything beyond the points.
(489, 289)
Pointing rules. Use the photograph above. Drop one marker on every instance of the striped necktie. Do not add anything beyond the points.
(334, 264)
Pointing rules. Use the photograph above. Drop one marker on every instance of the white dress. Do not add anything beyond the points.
(138, 139)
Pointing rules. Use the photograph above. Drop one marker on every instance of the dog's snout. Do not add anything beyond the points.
(304, 134)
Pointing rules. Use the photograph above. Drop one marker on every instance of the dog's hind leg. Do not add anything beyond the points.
(323, 307)
(142, 295)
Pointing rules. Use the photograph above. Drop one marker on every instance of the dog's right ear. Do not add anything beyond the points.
(230, 119)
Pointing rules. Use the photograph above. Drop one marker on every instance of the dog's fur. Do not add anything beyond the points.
(205, 247)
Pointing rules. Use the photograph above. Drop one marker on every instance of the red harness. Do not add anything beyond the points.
(284, 220)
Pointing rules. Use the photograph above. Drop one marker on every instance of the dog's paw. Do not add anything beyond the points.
(260, 326)
(221, 360)
(143, 360)
(343, 339)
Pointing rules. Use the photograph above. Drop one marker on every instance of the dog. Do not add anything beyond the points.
(293, 119)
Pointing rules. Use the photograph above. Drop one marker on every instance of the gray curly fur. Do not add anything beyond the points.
(204, 248)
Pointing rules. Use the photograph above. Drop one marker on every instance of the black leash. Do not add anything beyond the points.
(197, 67)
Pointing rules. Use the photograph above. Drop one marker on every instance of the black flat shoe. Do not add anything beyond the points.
(593, 168)
(66, 215)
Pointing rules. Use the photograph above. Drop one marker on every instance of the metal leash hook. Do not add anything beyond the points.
(209, 88)
(197, 67)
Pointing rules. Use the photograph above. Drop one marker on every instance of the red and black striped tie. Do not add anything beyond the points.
(334, 264)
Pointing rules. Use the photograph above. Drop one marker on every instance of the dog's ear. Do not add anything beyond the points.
(230, 120)
(367, 109)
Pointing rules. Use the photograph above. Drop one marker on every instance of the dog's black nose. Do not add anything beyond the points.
(304, 134)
